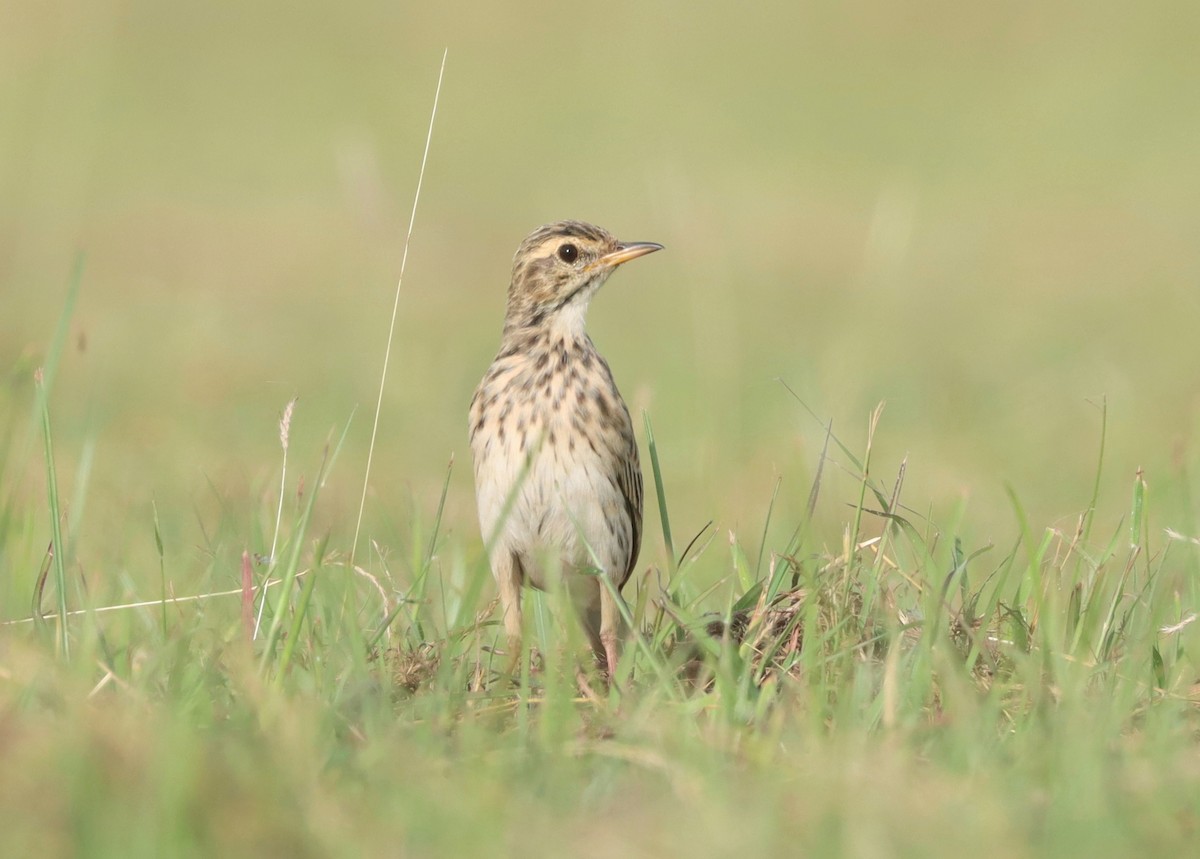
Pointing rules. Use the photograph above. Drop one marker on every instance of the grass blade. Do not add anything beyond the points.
(60, 569)
(661, 492)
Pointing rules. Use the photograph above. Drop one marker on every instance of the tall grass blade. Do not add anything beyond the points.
(661, 492)
(762, 544)
(815, 492)
(60, 568)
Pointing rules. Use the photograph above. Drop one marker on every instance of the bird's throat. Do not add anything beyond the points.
(569, 322)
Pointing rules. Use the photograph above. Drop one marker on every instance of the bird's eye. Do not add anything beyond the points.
(568, 253)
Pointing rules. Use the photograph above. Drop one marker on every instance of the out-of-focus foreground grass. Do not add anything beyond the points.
(986, 217)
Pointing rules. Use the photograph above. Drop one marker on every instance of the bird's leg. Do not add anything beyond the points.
(507, 570)
(610, 621)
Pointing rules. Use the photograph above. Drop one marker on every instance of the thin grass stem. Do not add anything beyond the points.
(387, 352)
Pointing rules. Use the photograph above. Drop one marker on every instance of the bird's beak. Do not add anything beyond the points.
(625, 252)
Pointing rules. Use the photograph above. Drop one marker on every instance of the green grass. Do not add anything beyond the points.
(957, 623)
(905, 694)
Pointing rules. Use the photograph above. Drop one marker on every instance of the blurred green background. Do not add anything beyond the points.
(985, 214)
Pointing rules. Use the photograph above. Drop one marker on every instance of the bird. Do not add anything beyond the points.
(558, 482)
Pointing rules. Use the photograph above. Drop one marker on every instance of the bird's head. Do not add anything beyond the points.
(557, 270)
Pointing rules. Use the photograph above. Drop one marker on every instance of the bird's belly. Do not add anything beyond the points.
(564, 504)
(562, 514)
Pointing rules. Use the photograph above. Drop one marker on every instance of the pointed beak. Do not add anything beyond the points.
(625, 252)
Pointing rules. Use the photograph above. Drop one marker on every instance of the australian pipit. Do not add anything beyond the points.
(557, 478)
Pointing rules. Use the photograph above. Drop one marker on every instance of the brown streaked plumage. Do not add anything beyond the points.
(552, 439)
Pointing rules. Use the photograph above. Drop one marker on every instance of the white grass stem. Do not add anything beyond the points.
(387, 353)
(104, 609)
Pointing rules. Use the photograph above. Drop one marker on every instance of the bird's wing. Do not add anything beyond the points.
(629, 481)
